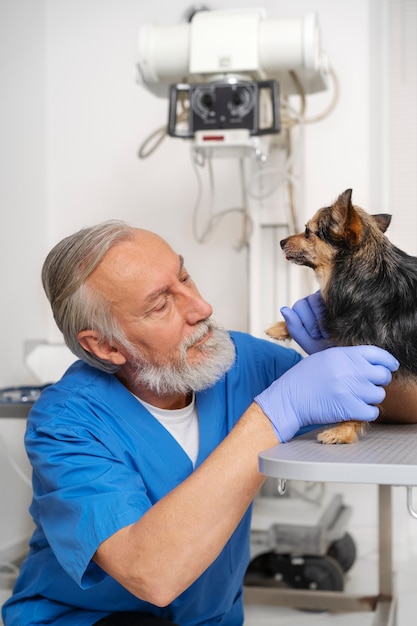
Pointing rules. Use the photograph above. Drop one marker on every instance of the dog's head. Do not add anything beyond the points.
(338, 228)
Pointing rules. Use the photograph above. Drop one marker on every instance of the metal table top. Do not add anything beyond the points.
(387, 455)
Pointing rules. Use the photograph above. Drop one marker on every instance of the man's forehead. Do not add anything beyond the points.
(142, 244)
(145, 253)
(165, 281)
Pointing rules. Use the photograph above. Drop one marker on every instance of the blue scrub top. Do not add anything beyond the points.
(100, 461)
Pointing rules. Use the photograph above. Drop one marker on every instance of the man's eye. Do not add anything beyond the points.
(161, 306)
(185, 278)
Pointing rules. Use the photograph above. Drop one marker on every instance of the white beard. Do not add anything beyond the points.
(179, 376)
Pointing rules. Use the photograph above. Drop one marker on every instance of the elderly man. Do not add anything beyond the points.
(145, 453)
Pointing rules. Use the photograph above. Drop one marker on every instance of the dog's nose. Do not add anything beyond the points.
(283, 242)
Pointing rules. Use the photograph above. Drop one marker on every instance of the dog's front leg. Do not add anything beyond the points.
(344, 432)
(278, 331)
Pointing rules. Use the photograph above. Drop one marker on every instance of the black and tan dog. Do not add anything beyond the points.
(369, 291)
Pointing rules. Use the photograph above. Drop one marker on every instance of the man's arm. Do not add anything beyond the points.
(169, 547)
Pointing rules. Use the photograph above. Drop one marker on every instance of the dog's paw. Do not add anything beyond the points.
(345, 432)
(278, 331)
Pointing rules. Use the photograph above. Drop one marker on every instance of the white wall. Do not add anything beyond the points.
(73, 118)
(23, 191)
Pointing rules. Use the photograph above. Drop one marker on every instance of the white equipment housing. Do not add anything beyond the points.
(240, 43)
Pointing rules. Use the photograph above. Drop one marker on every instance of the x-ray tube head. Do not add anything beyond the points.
(163, 56)
(241, 43)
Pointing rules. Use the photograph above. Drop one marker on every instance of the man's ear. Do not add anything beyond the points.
(89, 340)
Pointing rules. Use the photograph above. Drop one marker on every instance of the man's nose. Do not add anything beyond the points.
(196, 308)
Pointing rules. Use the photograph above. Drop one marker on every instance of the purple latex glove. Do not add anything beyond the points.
(335, 385)
(304, 323)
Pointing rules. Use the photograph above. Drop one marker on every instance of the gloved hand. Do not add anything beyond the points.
(335, 385)
(304, 323)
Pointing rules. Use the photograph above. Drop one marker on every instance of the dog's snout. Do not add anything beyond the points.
(283, 242)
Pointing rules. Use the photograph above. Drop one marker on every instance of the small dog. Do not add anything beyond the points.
(369, 291)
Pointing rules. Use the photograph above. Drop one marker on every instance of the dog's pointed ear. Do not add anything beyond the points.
(383, 220)
(345, 197)
(346, 219)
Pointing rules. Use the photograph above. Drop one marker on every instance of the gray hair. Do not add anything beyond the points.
(75, 305)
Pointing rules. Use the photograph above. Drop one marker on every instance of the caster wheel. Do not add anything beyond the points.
(323, 573)
(264, 566)
(304, 572)
(343, 551)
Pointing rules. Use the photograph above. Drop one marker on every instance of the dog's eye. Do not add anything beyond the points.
(307, 232)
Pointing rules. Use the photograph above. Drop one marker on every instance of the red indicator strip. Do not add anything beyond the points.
(214, 138)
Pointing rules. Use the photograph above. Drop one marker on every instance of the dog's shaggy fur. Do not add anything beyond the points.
(369, 290)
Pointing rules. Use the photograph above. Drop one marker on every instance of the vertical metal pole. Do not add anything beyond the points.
(385, 542)
(386, 609)
(255, 268)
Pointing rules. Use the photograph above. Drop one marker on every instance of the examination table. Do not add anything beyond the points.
(387, 457)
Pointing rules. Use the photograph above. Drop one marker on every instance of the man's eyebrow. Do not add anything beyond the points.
(158, 292)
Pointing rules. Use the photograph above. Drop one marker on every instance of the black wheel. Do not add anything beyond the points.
(264, 566)
(303, 572)
(323, 573)
(344, 551)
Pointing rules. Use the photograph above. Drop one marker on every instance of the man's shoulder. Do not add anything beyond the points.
(78, 385)
(246, 340)
(81, 376)
(264, 349)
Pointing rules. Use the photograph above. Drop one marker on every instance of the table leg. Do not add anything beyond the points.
(386, 609)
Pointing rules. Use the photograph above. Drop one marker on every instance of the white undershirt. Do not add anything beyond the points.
(182, 424)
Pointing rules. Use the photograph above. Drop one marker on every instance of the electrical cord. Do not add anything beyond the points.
(158, 135)
(333, 103)
(214, 217)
